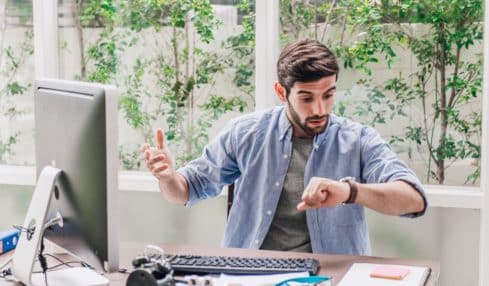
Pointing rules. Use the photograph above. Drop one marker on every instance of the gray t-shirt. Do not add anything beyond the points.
(288, 230)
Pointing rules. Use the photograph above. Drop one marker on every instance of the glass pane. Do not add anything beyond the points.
(16, 77)
(184, 66)
(410, 69)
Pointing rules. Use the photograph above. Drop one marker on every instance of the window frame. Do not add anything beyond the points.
(484, 177)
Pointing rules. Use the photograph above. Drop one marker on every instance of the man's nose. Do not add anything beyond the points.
(318, 108)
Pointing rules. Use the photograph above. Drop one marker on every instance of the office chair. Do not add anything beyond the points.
(230, 191)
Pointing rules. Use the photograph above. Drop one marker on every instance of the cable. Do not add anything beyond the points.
(45, 278)
(58, 219)
(42, 260)
(41, 257)
(61, 261)
(67, 264)
(29, 231)
(6, 263)
(84, 264)
(5, 272)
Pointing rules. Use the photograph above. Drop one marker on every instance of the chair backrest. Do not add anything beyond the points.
(230, 197)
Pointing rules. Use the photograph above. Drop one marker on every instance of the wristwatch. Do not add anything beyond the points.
(353, 189)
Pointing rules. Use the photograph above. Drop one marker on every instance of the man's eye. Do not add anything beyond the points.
(307, 99)
(326, 96)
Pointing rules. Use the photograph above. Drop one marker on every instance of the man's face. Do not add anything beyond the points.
(309, 105)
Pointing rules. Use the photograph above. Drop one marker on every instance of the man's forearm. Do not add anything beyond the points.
(175, 189)
(393, 198)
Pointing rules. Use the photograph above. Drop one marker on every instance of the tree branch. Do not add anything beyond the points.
(326, 22)
(454, 93)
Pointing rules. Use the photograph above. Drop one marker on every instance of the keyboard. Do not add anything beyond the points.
(197, 264)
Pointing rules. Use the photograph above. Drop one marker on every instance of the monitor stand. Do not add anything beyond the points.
(30, 239)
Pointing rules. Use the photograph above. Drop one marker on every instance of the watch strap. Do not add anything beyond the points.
(353, 191)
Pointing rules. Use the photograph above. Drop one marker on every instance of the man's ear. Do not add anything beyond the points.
(280, 91)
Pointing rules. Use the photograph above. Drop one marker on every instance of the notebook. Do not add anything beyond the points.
(360, 274)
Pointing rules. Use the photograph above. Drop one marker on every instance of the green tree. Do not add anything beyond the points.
(441, 36)
(99, 60)
(12, 59)
(171, 84)
(185, 73)
(241, 58)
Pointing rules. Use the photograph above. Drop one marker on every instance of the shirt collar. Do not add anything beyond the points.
(284, 125)
(319, 138)
(285, 128)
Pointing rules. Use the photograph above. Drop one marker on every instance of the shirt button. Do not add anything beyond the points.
(256, 241)
(269, 212)
(277, 184)
(285, 156)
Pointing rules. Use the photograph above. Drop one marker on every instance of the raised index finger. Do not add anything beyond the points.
(160, 141)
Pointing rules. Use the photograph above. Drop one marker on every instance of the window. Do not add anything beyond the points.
(411, 70)
(16, 77)
(182, 66)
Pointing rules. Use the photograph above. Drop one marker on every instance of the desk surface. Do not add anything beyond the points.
(335, 265)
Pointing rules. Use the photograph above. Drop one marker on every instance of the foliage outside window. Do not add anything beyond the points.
(437, 100)
(173, 82)
(441, 94)
(14, 55)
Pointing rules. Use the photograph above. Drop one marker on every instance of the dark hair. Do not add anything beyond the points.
(305, 61)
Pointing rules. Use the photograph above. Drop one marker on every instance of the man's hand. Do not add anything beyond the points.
(322, 192)
(158, 159)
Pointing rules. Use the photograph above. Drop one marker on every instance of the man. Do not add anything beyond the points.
(302, 175)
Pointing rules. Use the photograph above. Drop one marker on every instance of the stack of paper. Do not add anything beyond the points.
(359, 274)
(256, 280)
(253, 280)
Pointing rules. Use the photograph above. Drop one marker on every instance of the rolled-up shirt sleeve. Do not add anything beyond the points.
(380, 164)
(215, 168)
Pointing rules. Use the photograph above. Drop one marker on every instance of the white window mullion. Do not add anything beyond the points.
(484, 179)
(45, 22)
(267, 47)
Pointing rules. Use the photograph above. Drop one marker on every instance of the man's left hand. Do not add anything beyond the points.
(323, 192)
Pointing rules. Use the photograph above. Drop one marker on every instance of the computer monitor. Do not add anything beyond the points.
(76, 132)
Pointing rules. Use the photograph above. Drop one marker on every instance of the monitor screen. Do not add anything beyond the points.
(76, 131)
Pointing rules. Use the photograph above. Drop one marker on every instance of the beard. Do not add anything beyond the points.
(310, 131)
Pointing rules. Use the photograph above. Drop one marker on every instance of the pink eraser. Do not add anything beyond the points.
(390, 272)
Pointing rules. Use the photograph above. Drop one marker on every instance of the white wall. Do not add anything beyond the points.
(448, 235)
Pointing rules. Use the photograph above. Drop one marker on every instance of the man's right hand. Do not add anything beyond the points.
(160, 162)
(158, 159)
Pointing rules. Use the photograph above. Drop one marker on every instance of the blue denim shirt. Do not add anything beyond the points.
(254, 151)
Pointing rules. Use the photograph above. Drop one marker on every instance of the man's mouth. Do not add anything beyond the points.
(317, 122)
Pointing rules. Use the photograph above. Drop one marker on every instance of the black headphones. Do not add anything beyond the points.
(151, 270)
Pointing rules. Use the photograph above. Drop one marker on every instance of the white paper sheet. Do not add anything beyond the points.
(255, 280)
